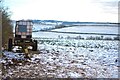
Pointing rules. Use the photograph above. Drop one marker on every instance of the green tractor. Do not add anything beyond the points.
(23, 36)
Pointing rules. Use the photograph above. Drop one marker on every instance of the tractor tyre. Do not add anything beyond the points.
(35, 45)
(10, 45)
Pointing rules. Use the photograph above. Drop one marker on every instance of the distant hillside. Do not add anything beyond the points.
(56, 22)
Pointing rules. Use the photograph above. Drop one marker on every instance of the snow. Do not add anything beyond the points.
(73, 62)
(90, 29)
(11, 55)
(80, 29)
(42, 26)
(65, 58)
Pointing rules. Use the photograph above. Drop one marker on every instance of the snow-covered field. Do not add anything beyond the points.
(80, 29)
(82, 58)
(66, 58)
(42, 26)
(90, 29)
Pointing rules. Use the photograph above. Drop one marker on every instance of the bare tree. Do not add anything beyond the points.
(6, 24)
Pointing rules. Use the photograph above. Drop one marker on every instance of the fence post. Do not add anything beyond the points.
(119, 40)
(1, 68)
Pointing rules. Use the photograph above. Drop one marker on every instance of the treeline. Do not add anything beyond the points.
(91, 38)
(7, 31)
(50, 28)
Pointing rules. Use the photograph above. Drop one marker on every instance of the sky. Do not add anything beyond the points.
(65, 10)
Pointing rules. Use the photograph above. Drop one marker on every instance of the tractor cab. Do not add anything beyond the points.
(23, 36)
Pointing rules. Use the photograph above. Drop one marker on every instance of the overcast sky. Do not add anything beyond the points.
(66, 10)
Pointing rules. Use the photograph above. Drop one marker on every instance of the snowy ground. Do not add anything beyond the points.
(64, 59)
(90, 29)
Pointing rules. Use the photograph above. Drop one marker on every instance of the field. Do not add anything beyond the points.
(62, 57)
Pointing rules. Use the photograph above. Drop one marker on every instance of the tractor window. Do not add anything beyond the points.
(22, 28)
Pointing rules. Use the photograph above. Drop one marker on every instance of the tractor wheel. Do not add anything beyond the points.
(35, 45)
(10, 45)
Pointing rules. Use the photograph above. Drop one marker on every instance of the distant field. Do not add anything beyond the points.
(90, 29)
(78, 29)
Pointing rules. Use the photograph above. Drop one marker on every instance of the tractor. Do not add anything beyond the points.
(23, 36)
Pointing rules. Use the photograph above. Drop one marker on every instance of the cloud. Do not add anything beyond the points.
(70, 10)
(108, 6)
(107, 3)
(111, 4)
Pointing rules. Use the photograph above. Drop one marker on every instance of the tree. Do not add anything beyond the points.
(7, 31)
